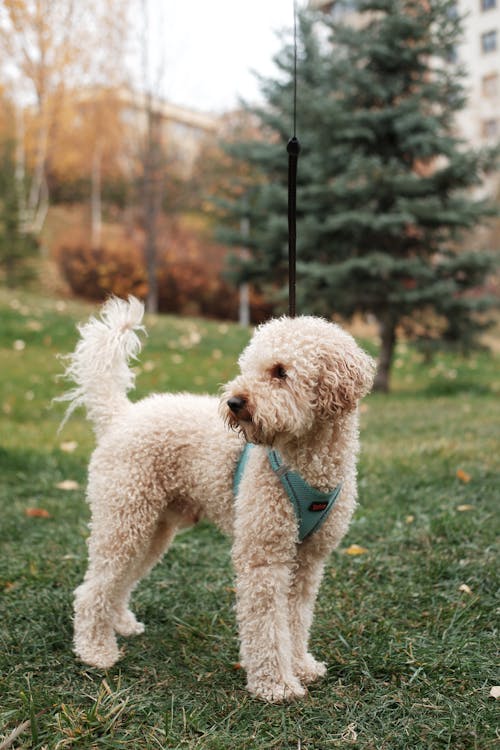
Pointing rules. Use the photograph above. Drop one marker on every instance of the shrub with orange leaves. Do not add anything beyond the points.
(115, 267)
(190, 270)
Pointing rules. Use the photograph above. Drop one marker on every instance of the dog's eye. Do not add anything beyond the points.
(279, 372)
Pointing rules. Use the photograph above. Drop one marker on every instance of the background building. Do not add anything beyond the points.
(181, 131)
(479, 52)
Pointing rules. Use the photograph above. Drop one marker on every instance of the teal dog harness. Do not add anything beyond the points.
(311, 506)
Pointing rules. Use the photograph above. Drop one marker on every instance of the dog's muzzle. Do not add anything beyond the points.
(240, 410)
(236, 404)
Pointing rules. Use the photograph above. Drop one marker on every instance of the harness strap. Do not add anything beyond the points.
(240, 467)
(311, 506)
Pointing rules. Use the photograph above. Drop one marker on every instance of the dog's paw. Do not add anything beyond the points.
(126, 623)
(308, 669)
(278, 692)
(102, 654)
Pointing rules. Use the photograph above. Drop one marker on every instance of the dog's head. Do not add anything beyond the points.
(296, 374)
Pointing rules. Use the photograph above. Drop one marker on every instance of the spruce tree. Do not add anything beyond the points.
(385, 187)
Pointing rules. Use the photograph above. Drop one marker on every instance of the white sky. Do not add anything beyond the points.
(210, 47)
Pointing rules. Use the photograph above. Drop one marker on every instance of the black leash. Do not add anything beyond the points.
(293, 149)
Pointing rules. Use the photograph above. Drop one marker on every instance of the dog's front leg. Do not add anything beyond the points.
(263, 619)
(264, 552)
(303, 593)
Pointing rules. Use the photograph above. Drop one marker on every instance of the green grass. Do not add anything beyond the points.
(411, 652)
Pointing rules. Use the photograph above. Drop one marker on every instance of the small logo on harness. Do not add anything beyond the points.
(316, 507)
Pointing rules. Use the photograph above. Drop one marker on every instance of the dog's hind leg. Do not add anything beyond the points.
(303, 593)
(96, 609)
(125, 622)
(121, 549)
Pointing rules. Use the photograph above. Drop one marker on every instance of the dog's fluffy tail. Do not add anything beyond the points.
(99, 365)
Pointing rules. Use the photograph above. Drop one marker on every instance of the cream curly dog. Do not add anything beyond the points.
(169, 460)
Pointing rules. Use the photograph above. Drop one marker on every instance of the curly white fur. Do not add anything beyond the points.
(166, 461)
(99, 364)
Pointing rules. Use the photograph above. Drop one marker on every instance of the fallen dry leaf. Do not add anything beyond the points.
(464, 508)
(67, 484)
(355, 549)
(463, 476)
(69, 446)
(495, 692)
(34, 325)
(37, 513)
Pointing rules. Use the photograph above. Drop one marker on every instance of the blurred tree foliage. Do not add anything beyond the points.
(386, 190)
(48, 50)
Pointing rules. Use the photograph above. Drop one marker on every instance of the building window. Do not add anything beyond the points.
(490, 129)
(488, 4)
(489, 86)
(489, 41)
(335, 9)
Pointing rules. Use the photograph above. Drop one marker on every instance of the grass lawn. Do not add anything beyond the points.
(409, 627)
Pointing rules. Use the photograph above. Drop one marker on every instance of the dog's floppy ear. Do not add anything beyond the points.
(347, 375)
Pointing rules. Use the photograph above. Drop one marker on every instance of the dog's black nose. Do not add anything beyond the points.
(236, 404)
